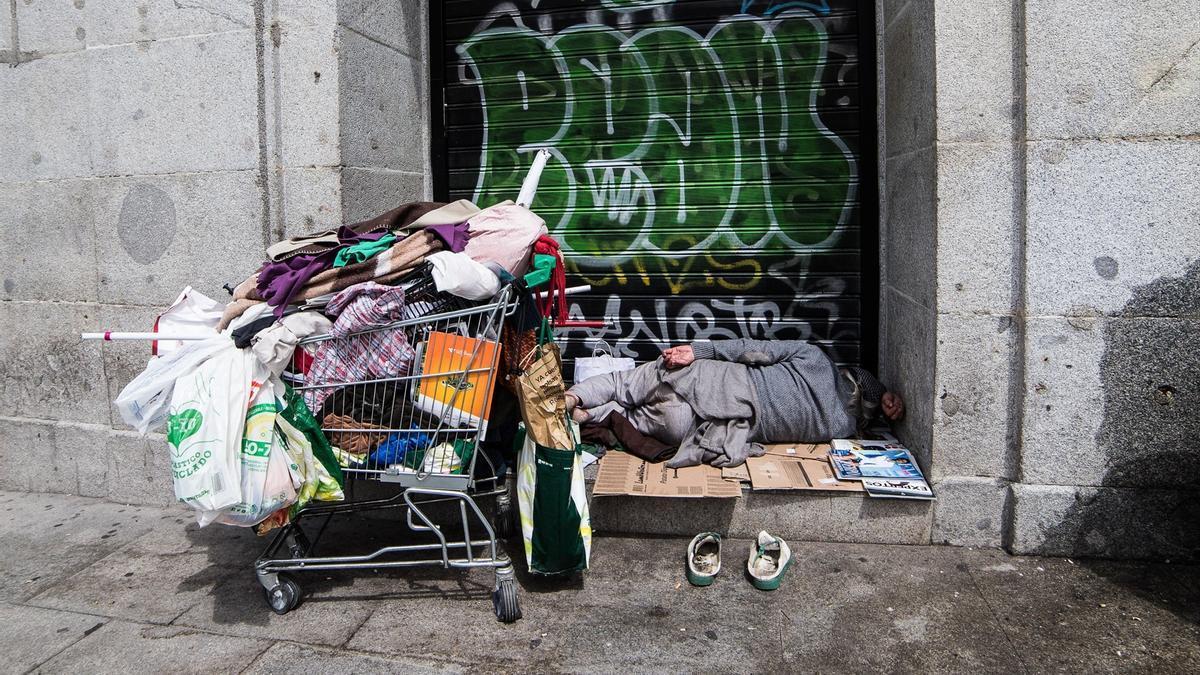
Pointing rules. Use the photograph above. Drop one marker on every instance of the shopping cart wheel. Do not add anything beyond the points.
(504, 598)
(506, 517)
(285, 595)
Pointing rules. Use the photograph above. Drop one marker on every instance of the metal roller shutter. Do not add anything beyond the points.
(712, 171)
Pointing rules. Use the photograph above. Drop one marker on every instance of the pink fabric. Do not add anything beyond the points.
(504, 234)
(349, 358)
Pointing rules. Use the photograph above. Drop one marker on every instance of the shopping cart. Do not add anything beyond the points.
(419, 434)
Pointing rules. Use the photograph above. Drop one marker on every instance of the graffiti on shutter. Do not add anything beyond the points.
(704, 175)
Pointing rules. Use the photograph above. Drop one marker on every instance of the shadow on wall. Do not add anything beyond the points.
(1150, 437)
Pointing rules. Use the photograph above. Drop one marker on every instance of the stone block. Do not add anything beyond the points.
(909, 80)
(48, 372)
(80, 464)
(113, 22)
(158, 234)
(976, 227)
(384, 105)
(791, 515)
(1096, 69)
(47, 241)
(1112, 402)
(969, 511)
(1108, 217)
(401, 24)
(975, 357)
(6, 45)
(907, 352)
(369, 192)
(124, 360)
(88, 460)
(1064, 402)
(55, 457)
(975, 62)
(1105, 522)
(312, 200)
(1149, 373)
(36, 145)
(911, 226)
(175, 105)
(155, 649)
(51, 26)
(31, 636)
(26, 454)
(139, 469)
(307, 91)
(306, 12)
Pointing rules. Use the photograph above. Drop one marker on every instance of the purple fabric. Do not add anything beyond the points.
(278, 282)
(454, 236)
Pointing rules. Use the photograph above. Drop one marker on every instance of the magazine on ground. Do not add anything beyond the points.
(885, 468)
(858, 459)
(898, 488)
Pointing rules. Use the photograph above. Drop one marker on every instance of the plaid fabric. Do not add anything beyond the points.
(350, 357)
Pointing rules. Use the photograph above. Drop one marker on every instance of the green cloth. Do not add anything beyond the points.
(363, 251)
(543, 266)
(297, 413)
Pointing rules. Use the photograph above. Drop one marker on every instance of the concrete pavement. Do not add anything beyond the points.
(91, 586)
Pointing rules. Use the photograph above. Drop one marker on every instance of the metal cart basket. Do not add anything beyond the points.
(420, 433)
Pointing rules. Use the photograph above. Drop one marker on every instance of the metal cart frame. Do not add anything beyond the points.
(423, 483)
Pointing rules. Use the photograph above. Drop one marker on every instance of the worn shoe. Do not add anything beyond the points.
(704, 558)
(769, 559)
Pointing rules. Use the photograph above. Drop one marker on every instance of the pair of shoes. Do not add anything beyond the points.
(769, 559)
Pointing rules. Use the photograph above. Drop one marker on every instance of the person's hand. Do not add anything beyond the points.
(893, 406)
(678, 357)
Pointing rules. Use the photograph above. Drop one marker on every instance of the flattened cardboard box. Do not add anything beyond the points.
(797, 467)
(623, 474)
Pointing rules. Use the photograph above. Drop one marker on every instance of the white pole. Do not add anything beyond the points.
(530, 185)
(570, 291)
(113, 335)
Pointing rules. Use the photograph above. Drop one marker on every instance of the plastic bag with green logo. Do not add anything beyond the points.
(269, 481)
(204, 430)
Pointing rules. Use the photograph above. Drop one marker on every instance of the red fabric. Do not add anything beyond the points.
(554, 305)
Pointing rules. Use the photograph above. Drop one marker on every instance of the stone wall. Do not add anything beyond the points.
(147, 146)
(1065, 240)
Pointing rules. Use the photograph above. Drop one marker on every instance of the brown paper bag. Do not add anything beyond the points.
(542, 396)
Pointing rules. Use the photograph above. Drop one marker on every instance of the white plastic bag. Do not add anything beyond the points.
(145, 402)
(207, 417)
(601, 362)
(192, 313)
(266, 476)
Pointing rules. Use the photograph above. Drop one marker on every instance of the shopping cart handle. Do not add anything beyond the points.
(569, 323)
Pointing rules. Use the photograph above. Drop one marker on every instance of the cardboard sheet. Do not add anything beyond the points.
(623, 474)
(799, 450)
(797, 467)
(737, 473)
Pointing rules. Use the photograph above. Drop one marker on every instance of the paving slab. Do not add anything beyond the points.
(47, 538)
(154, 649)
(286, 658)
(1094, 616)
(888, 609)
(237, 606)
(31, 636)
(159, 576)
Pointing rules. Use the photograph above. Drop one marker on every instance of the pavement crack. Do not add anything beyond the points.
(999, 622)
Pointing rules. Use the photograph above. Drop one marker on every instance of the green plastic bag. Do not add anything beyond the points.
(555, 523)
